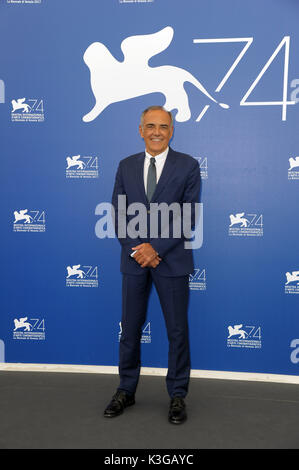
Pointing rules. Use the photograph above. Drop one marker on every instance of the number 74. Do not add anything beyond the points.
(285, 42)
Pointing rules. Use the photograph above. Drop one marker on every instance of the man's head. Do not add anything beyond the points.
(156, 128)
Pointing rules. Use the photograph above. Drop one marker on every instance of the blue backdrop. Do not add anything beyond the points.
(61, 284)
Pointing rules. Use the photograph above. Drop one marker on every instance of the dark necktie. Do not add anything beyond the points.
(151, 180)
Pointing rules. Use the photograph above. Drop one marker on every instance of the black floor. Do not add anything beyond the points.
(65, 411)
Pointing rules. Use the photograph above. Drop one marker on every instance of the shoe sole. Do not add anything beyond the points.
(177, 422)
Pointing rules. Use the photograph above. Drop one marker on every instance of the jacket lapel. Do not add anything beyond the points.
(140, 176)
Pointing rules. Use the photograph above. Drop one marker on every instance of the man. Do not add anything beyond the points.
(158, 175)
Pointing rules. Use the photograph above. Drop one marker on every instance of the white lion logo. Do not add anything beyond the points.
(75, 271)
(74, 161)
(113, 81)
(22, 323)
(22, 214)
(238, 219)
(236, 331)
(293, 162)
(20, 104)
(292, 277)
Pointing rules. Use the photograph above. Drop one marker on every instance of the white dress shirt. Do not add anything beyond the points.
(159, 161)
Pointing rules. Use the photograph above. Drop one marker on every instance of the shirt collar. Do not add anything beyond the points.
(158, 157)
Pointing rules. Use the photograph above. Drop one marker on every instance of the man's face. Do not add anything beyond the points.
(156, 131)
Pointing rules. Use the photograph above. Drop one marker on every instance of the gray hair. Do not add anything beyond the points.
(155, 108)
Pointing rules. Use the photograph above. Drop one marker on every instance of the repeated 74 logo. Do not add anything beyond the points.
(198, 279)
(240, 336)
(27, 110)
(26, 220)
(82, 276)
(246, 224)
(29, 328)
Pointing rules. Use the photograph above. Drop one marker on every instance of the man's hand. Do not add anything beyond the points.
(146, 255)
(155, 262)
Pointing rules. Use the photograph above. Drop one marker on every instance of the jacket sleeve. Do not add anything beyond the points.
(120, 214)
(191, 195)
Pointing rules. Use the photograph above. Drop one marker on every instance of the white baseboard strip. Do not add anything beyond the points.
(201, 374)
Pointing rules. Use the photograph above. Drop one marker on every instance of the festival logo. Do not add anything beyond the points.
(203, 165)
(32, 328)
(27, 110)
(82, 167)
(293, 170)
(82, 276)
(29, 221)
(240, 336)
(243, 224)
(136, 77)
(198, 280)
(292, 282)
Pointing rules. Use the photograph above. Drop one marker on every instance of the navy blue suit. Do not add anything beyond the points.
(179, 182)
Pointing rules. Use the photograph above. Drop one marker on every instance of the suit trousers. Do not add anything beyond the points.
(173, 293)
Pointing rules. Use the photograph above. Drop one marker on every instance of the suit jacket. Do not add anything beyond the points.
(179, 182)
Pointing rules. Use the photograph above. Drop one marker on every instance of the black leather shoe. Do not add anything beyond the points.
(118, 403)
(177, 411)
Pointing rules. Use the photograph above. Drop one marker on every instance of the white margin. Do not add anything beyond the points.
(201, 374)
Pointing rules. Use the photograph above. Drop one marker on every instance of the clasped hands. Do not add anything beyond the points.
(146, 256)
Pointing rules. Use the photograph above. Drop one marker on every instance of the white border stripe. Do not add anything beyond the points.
(202, 374)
